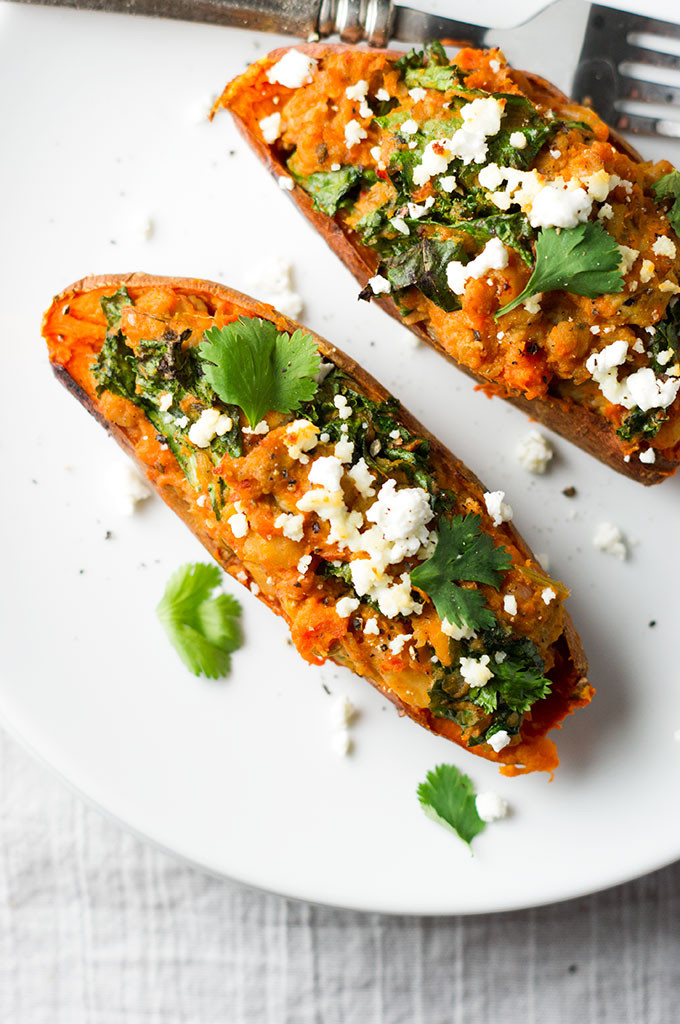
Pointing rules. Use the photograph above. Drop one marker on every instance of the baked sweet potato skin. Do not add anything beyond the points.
(576, 422)
(73, 343)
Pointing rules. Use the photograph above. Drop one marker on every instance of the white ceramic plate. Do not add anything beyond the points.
(102, 128)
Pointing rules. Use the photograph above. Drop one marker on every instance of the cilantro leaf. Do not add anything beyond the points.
(463, 552)
(584, 260)
(252, 365)
(327, 188)
(113, 305)
(668, 187)
(448, 798)
(204, 630)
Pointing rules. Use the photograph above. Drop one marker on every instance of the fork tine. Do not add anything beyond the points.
(654, 58)
(649, 26)
(639, 125)
(648, 92)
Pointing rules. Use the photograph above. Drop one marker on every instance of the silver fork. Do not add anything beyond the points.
(607, 46)
(625, 74)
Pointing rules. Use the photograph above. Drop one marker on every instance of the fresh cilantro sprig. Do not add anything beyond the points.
(204, 630)
(668, 187)
(584, 260)
(448, 797)
(463, 552)
(252, 365)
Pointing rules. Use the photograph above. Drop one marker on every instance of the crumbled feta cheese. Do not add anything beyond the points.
(303, 564)
(638, 346)
(345, 606)
(238, 523)
(202, 500)
(354, 133)
(499, 741)
(494, 256)
(164, 401)
(665, 246)
(400, 225)
(417, 94)
(647, 271)
(128, 486)
(496, 507)
(457, 632)
(648, 456)
(534, 452)
(343, 712)
(510, 604)
(490, 806)
(271, 127)
(606, 212)
(182, 421)
(409, 127)
(518, 140)
(641, 388)
(556, 206)
(401, 516)
(358, 91)
(272, 281)
(362, 478)
(416, 210)
(260, 428)
(548, 595)
(533, 303)
(327, 473)
(342, 742)
(293, 70)
(376, 153)
(668, 286)
(475, 671)
(628, 258)
(495, 66)
(481, 120)
(300, 437)
(379, 285)
(343, 407)
(665, 357)
(291, 525)
(615, 181)
(556, 153)
(344, 450)
(397, 645)
(382, 95)
(610, 539)
(598, 185)
(254, 589)
(448, 182)
(285, 183)
(211, 423)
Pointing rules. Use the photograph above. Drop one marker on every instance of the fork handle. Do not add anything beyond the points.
(353, 20)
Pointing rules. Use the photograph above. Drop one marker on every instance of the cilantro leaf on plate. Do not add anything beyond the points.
(447, 796)
(204, 630)
(463, 552)
(584, 260)
(668, 187)
(252, 365)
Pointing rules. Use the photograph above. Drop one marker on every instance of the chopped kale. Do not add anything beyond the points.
(513, 229)
(113, 305)
(642, 424)
(328, 189)
(520, 116)
(434, 55)
(114, 368)
(424, 265)
(667, 189)
(435, 77)
(665, 338)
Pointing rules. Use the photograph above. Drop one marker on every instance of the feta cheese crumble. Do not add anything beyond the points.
(354, 133)
(475, 671)
(301, 436)
(665, 246)
(128, 486)
(291, 525)
(497, 508)
(293, 70)
(610, 539)
(285, 183)
(371, 627)
(210, 424)
(379, 285)
(648, 456)
(490, 806)
(499, 741)
(518, 140)
(271, 127)
(494, 256)
(327, 473)
(548, 595)
(510, 604)
(238, 523)
(417, 94)
(345, 606)
(272, 281)
(534, 453)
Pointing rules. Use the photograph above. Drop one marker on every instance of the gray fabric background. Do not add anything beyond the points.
(96, 927)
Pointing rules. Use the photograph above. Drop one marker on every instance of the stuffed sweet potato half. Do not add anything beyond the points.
(502, 223)
(313, 487)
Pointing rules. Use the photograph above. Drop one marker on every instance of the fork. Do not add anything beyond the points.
(611, 51)
(619, 62)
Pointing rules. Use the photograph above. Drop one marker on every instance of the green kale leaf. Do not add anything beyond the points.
(113, 305)
(520, 116)
(328, 188)
(424, 266)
